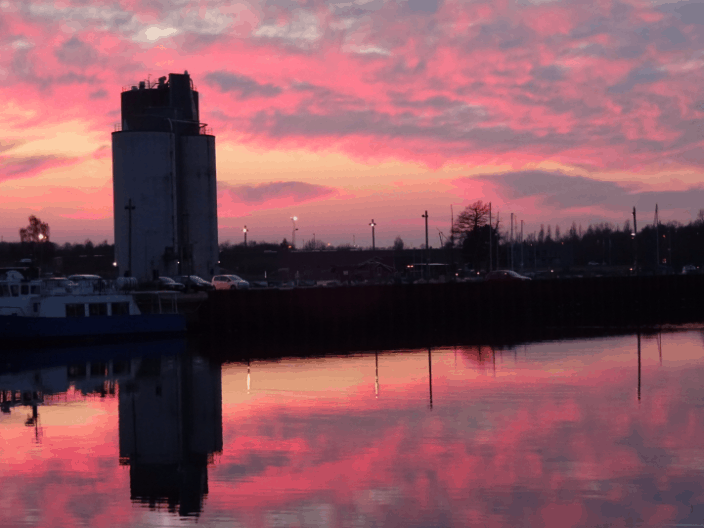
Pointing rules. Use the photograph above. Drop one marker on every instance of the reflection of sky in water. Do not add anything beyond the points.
(550, 434)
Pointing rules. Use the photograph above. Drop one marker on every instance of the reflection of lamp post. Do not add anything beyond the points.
(293, 231)
(373, 239)
(244, 230)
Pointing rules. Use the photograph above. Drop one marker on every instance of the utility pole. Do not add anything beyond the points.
(491, 236)
(244, 230)
(522, 244)
(427, 258)
(511, 244)
(498, 242)
(373, 237)
(657, 241)
(452, 239)
(129, 207)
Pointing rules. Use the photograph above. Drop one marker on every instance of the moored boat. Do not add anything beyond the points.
(42, 310)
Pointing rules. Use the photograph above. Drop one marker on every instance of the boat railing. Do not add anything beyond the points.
(52, 287)
(157, 302)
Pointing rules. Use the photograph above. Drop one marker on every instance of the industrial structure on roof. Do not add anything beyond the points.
(164, 183)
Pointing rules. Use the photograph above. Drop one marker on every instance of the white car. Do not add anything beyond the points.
(229, 282)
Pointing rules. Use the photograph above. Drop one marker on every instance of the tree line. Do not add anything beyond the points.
(477, 238)
(661, 246)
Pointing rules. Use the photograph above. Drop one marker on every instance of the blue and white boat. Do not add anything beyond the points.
(45, 310)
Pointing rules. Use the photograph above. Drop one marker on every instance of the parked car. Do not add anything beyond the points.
(229, 282)
(194, 283)
(505, 276)
(59, 284)
(166, 283)
(689, 269)
(78, 278)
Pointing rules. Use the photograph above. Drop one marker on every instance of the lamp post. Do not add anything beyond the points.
(373, 239)
(635, 242)
(244, 230)
(42, 238)
(427, 249)
(293, 231)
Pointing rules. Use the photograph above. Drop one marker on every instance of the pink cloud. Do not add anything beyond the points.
(608, 87)
(240, 200)
(28, 167)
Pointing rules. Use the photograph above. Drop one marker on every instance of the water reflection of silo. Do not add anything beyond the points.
(170, 426)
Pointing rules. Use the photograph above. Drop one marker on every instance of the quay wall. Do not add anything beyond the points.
(448, 313)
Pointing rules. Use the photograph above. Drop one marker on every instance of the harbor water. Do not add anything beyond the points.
(582, 432)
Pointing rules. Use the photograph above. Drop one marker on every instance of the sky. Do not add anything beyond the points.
(342, 112)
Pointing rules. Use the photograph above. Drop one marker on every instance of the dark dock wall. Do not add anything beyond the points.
(405, 315)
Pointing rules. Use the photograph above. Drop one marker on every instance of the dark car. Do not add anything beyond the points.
(505, 276)
(166, 283)
(194, 283)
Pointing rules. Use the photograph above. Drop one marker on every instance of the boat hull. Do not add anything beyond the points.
(17, 329)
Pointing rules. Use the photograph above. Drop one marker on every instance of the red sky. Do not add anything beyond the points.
(340, 112)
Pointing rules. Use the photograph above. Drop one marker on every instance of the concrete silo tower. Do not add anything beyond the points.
(164, 183)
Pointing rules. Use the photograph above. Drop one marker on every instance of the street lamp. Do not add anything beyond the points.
(293, 231)
(427, 248)
(244, 230)
(41, 238)
(373, 238)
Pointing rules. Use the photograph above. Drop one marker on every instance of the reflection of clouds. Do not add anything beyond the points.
(521, 450)
(527, 449)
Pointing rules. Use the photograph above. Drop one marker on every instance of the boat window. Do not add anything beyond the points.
(98, 369)
(120, 367)
(121, 308)
(24, 289)
(95, 309)
(4, 291)
(15, 289)
(34, 289)
(76, 371)
(75, 310)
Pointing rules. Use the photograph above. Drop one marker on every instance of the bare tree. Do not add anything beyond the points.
(313, 244)
(700, 217)
(36, 231)
(474, 217)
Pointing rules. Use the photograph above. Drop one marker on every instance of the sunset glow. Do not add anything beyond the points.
(556, 111)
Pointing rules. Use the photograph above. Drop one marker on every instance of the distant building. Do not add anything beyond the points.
(164, 183)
